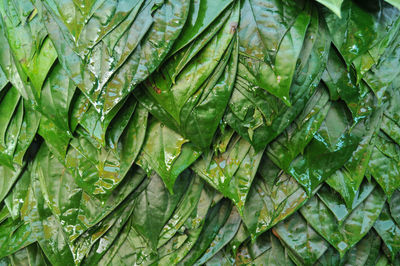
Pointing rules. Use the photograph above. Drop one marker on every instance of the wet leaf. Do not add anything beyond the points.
(168, 153)
(301, 238)
(195, 110)
(389, 231)
(225, 234)
(333, 5)
(384, 164)
(270, 43)
(259, 116)
(345, 235)
(231, 172)
(99, 170)
(273, 196)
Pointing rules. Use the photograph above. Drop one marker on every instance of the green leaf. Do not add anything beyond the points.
(47, 229)
(273, 196)
(389, 231)
(384, 164)
(275, 253)
(184, 240)
(225, 234)
(201, 15)
(348, 179)
(231, 172)
(29, 127)
(395, 3)
(139, 34)
(56, 139)
(337, 205)
(259, 116)
(301, 238)
(33, 52)
(333, 5)
(14, 235)
(358, 29)
(183, 211)
(395, 207)
(295, 138)
(215, 220)
(8, 177)
(345, 235)
(154, 207)
(330, 148)
(195, 110)
(30, 255)
(56, 97)
(74, 208)
(365, 252)
(15, 198)
(271, 41)
(111, 231)
(166, 152)
(99, 170)
(384, 72)
(343, 83)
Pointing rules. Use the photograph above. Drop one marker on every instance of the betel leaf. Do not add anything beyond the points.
(215, 220)
(259, 116)
(275, 254)
(56, 139)
(333, 5)
(347, 180)
(99, 170)
(56, 97)
(167, 152)
(47, 230)
(232, 171)
(154, 207)
(8, 177)
(295, 138)
(183, 211)
(345, 235)
(330, 148)
(391, 120)
(138, 33)
(342, 84)
(395, 207)
(384, 163)
(273, 196)
(337, 205)
(201, 15)
(30, 255)
(16, 196)
(300, 237)
(389, 231)
(111, 229)
(225, 234)
(29, 128)
(106, 228)
(71, 205)
(33, 51)
(385, 71)
(395, 3)
(180, 59)
(271, 41)
(178, 246)
(365, 252)
(359, 29)
(194, 103)
(14, 235)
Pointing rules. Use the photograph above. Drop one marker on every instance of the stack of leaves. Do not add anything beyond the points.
(191, 132)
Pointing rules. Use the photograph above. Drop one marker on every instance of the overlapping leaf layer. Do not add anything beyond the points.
(192, 132)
